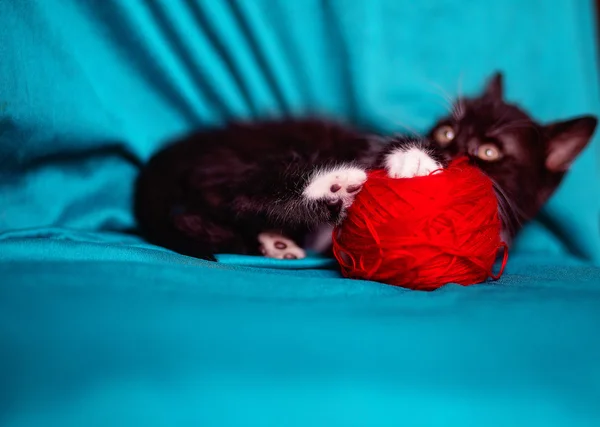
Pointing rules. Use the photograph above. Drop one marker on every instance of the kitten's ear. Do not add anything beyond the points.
(566, 139)
(494, 88)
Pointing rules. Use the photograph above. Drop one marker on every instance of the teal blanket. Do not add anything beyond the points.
(99, 328)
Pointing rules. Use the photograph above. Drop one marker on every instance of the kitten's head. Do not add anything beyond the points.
(526, 160)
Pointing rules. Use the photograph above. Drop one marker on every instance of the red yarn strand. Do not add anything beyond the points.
(498, 275)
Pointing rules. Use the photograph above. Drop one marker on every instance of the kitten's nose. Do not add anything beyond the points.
(472, 146)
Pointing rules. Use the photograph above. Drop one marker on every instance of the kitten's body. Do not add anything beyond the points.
(263, 187)
(221, 190)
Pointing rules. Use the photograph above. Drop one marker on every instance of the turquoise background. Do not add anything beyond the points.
(99, 328)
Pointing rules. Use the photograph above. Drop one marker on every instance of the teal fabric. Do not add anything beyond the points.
(98, 327)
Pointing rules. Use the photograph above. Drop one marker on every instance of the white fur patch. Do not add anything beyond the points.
(322, 184)
(409, 162)
(274, 245)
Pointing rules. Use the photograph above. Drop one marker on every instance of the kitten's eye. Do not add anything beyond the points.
(489, 152)
(444, 134)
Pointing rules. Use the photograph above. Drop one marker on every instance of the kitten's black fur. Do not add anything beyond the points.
(216, 190)
(533, 157)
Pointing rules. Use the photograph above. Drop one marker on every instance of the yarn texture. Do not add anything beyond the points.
(423, 232)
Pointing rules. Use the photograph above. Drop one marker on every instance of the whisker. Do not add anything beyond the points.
(455, 106)
(511, 123)
(443, 92)
(498, 121)
(410, 129)
(524, 124)
(459, 103)
(520, 215)
(511, 216)
(450, 103)
(448, 107)
(459, 108)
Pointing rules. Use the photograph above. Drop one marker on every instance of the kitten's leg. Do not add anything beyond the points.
(336, 187)
(275, 245)
(322, 198)
(304, 196)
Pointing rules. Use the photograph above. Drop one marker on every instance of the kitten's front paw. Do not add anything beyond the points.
(274, 245)
(409, 162)
(337, 187)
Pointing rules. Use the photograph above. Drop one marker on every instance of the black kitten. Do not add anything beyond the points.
(526, 159)
(263, 187)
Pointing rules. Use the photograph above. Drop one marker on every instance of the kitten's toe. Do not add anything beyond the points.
(274, 245)
(410, 162)
(337, 187)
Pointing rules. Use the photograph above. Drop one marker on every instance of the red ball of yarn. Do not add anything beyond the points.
(423, 232)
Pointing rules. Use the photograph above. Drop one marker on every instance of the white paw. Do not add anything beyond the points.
(274, 245)
(409, 162)
(337, 186)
